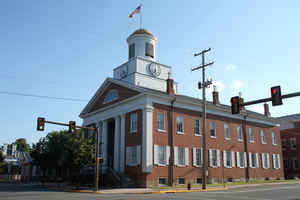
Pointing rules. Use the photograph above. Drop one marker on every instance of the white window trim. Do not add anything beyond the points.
(225, 159)
(275, 144)
(274, 158)
(131, 119)
(210, 158)
(238, 163)
(156, 155)
(195, 156)
(199, 128)
(265, 136)
(161, 130)
(256, 160)
(129, 161)
(238, 133)
(263, 155)
(251, 141)
(214, 128)
(180, 132)
(227, 138)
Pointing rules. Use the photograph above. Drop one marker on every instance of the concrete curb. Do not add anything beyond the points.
(150, 192)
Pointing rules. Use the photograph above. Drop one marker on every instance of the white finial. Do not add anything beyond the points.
(215, 88)
(240, 94)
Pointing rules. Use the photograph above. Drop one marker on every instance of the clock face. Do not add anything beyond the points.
(154, 69)
(123, 71)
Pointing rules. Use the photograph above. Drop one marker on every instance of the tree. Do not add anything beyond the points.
(22, 145)
(63, 152)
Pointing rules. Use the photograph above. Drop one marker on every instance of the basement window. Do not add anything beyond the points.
(181, 181)
(162, 181)
(199, 180)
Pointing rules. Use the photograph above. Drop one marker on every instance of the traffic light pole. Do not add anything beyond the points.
(203, 85)
(270, 99)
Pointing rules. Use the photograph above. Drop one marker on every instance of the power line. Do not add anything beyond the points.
(41, 96)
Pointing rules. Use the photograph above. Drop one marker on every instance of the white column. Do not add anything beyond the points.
(147, 143)
(104, 142)
(122, 144)
(117, 144)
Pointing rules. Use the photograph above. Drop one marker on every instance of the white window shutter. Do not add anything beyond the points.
(194, 157)
(250, 160)
(224, 158)
(210, 158)
(262, 161)
(238, 159)
(278, 161)
(167, 154)
(186, 156)
(175, 155)
(156, 161)
(127, 155)
(257, 163)
(218, 158)
(232, 161)
(138, 154)
(245, 160)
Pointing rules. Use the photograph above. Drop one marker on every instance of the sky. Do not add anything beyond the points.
(67, 48)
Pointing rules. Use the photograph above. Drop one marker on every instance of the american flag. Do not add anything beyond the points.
(137, 10)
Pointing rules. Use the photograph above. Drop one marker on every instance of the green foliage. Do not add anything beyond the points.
(22, 145)
(62, 149)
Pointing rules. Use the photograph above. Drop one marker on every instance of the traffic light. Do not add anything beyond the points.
(40, 124)
(276, 96)
(72, 127)
(235, 105)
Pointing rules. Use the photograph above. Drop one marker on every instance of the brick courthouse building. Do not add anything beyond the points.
(153, 134)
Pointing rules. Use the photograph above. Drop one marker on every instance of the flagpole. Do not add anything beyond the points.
(141, 17)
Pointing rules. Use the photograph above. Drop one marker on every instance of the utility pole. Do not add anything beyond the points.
(203, 85)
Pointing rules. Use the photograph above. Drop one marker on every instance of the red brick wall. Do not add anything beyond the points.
(190, 140)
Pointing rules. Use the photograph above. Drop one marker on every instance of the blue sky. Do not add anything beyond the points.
(67, 49)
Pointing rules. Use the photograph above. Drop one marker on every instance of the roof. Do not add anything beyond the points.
(183, 98)
(142, 31)
(290, 117)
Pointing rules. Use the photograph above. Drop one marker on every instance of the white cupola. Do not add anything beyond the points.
(142, 43)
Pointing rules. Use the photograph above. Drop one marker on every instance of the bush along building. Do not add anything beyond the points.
(290, 137)
(152, 135)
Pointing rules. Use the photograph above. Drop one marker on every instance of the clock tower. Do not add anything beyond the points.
(141, 69)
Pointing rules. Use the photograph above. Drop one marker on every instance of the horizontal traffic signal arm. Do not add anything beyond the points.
(63, 124)
(269, 99)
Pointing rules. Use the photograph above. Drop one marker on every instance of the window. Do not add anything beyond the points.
(228, 159)
(283, 142)
(239, 133)
(227, 131)
(181, 181)
(111, 96)
(181, 156)
(214, 158)
(241, 159)
(133, 122)
(274, 141)
(197, 127)
(293, 143)
(131, 51)
(199, 181)
(212, 129)
(149, 50)
(197, 157)
(162, 181)
(276, 161)
(295, 163)
(161, 121)
(253, 158)
(162, 155)
(263, 137)
(180, 125)
(251, 134)
(133, 155)
(265, 160)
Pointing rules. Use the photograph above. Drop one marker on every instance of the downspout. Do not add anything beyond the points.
(171, 139)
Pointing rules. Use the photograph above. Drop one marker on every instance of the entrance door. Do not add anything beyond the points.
(110, 142)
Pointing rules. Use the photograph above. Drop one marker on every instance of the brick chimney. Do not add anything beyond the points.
(266, 109)
(170, 84)
(215, 94)
(241, 101)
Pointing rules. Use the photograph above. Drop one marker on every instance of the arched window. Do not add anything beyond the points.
(149, 50)
(131, 51)
(111, 96)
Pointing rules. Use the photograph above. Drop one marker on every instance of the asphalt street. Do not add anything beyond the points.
(274, 192)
